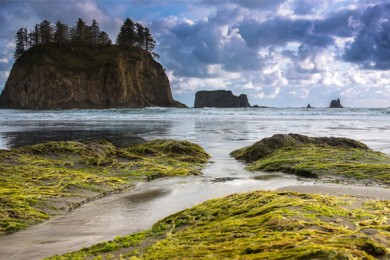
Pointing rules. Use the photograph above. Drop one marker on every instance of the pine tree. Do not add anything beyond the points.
(26, 40)
(155, 55)
(95, 33)
(34, 36)
(126, 36)
(130, 34)
(45, 32)
(149, 42)
(79, 32)
(20, 42)
(88, 37)
(139, 35)
(104, 40)
(61, 33)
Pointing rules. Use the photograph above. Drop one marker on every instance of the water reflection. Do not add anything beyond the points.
(145, 196)
(118, 138)
(121, 134)
(267, 177)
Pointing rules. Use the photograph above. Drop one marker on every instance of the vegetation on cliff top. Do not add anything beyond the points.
(317, 158)
(260, 225)
(78, 59)
(130, 35)
(42, 180)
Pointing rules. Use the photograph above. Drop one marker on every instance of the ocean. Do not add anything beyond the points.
(227, 129)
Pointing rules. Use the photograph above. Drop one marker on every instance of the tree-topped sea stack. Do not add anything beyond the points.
(78, 67)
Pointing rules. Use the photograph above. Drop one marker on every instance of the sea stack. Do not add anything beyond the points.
(335, 104)
(47, 77)
(220, 99)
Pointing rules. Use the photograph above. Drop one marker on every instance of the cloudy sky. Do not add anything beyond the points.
(278, 52)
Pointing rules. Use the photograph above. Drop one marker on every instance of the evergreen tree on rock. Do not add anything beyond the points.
(79, 32)
(126, 36)
(34, 36)
(20, 42)
(61, 33)
(95, 32)
(130, 35)
(45, 32)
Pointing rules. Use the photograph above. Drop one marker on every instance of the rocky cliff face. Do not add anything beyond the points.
(80, 77)
(220, 98)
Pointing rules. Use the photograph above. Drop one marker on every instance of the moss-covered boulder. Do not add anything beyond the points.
(317, 157)
(42, 180)
(260, 225)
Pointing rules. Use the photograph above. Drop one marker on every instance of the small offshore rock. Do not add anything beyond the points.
(220, 99)
(336, 103)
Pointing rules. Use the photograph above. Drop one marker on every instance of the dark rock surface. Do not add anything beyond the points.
(220, 99)
(268, 145)
(335, 104)
(47, 77)
(308, 106)
(243, 99)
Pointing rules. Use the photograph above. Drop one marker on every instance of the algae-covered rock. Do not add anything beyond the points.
(260, 225)
(181, 150)
(269, 145)
(42, 180)
(317, 157)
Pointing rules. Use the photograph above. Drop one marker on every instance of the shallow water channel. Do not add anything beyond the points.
(136, 210)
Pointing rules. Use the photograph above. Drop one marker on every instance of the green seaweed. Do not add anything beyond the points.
(182, 151)
(260, 225)
(328, 161)
(42, 180)
(317, 159)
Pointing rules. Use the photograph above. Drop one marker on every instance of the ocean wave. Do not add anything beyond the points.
(158, 113)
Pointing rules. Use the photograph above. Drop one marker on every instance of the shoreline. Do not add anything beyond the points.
(369, 193)
(361, 193)
(48, 179)
(239, 224)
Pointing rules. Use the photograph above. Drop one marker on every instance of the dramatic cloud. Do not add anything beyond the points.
(262, 5)
(371, 47)
(280, 31)
(279, 52)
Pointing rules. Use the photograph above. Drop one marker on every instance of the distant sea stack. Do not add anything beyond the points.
(47, 77)
(220, 99)
(335, 104)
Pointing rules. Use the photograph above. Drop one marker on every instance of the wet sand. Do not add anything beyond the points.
(134, 210)
(375, 193)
